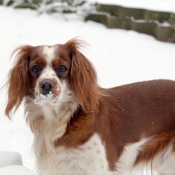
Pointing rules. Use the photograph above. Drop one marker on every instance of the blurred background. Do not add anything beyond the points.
(128, 41)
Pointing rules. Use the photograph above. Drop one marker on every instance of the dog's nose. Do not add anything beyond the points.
(46, 86)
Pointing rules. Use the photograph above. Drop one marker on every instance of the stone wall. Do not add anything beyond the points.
(161, 25)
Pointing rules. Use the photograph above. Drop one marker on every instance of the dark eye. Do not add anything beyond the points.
(61, 69)
(36, 69)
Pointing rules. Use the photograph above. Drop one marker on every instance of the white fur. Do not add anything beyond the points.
(89, 158)
(129, 155)
(49, 53)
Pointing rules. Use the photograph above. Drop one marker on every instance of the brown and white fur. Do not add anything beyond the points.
(83, 129)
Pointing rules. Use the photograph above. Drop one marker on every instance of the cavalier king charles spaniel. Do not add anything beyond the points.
(82, 129)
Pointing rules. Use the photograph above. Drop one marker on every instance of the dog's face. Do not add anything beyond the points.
(49, 72)
(53, 74)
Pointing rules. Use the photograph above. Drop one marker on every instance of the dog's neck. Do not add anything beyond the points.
(64, 125)
(49, 122)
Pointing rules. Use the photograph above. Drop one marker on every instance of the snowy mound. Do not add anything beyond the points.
(11, 164)
(15, 170)
(10, 158)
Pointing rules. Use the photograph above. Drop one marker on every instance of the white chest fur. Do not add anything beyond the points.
(89, 158)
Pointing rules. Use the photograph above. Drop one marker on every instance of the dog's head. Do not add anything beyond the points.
(51, 74)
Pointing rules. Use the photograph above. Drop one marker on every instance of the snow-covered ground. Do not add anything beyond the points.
(120, 57)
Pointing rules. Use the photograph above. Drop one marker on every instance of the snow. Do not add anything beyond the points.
(41, 99)
(119, 56)
(10, 158)
(15, 170)
(11, 164)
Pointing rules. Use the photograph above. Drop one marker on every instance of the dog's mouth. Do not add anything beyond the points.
(49, 98)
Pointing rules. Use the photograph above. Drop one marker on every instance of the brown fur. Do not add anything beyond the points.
(147, 110)
(83, 78)
(80, 123)
(18, 81)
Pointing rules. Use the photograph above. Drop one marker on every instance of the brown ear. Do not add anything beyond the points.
(18, 80)
(83, 78)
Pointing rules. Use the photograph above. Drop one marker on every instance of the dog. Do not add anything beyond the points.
(80, 128)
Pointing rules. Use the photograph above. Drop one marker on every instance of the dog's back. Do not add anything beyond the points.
(145, 131)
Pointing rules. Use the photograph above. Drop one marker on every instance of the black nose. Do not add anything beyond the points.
(46, 86)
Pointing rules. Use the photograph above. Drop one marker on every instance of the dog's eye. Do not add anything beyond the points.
(61, 69)
(36, 69)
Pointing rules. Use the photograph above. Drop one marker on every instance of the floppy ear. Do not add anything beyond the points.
(83, 78)
(18, 80)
